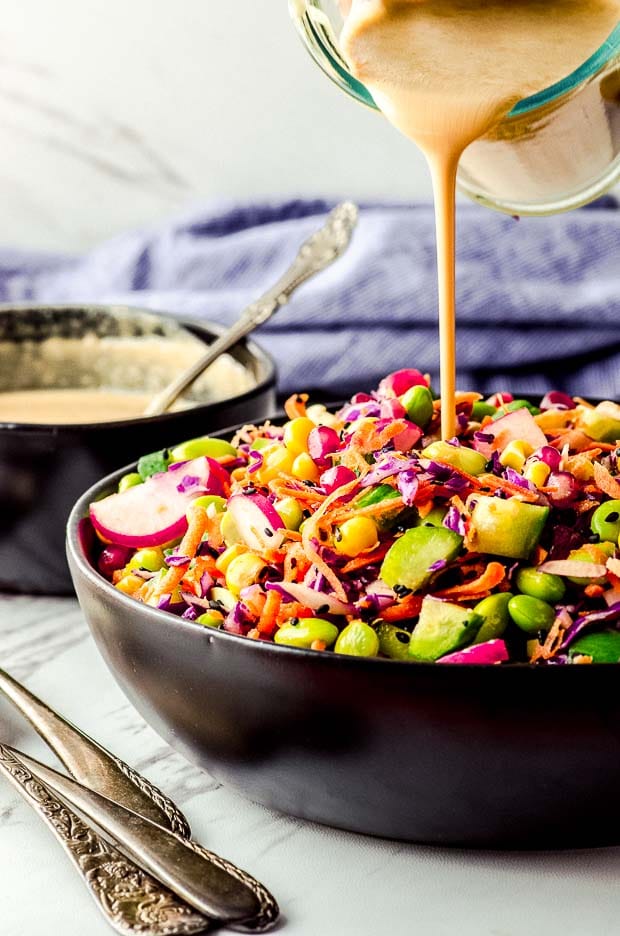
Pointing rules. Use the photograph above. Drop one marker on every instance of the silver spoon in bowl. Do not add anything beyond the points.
(315, 254)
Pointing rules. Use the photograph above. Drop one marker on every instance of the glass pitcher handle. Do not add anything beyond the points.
(317, 33)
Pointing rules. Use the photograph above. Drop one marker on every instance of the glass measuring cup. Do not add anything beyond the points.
(554, 151)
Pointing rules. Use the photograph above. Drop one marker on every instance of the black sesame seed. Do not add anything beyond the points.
(294, 621)
(322, 609)
(268, 532)
(249, 490)
(293, 563)
(594, 538)
(402, 636)
(338, 535)
(402, 591)
(612, 517)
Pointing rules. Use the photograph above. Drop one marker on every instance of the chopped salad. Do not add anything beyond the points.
(364, 533)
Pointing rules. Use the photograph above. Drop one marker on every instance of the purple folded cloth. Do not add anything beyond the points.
(538, 299)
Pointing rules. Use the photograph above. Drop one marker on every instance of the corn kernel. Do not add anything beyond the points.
(129, 584)
(355, 536)
(304, 468)
(515, 453)
(223, 561)
(537, 472)
(296, 434)
(276, 461)
(243, 570)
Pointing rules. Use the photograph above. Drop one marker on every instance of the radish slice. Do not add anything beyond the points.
(154, 513)
(259, 524)
(310, 598)
(398, 382)
(490, 652)
(574, 568)
(518, 426)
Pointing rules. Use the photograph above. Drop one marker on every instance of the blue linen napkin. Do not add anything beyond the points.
(538, 299)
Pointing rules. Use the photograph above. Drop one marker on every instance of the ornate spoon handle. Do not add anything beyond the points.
(91, 764)
(133, 902)
(316, 253)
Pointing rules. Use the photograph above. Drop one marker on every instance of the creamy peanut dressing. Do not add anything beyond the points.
(444, 72)
(70, 406)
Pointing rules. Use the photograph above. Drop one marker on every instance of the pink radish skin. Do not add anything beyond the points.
(518, 426)
(154, 513)
(490, 652)
(397, 383)
(258, 522)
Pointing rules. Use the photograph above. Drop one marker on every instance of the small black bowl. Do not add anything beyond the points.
(43, 468)
(512, 756)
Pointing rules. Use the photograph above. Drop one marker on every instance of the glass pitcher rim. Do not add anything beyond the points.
(577, 77)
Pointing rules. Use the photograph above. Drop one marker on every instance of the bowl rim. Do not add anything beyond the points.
(78, 560)
(194, 325)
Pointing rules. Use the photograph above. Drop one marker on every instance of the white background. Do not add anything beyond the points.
(119, 112)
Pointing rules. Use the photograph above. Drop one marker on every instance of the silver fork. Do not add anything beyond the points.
(132, 900)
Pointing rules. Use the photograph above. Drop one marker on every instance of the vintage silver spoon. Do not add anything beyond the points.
(315, 254)
(131, 899)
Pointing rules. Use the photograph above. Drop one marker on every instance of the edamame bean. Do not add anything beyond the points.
(418, 402)
(128, 481)
(208, 500)
(541, 585)
(494, 611)
(481, 409)
(357, 639)
(291, 513)
(605, 521)
(531, 614)
(204, 445)
(211, 619)
(393, 641)
(303, 632)
(150, 559)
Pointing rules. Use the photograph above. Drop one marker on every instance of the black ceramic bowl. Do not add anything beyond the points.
(43, 468)
(486, 756)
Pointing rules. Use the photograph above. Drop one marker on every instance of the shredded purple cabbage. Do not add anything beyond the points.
(256, 461)
(436, 566)
(595, 617)
(454, 521)
(387, 466)
(408, 484)
(174, 560)
(189, 483)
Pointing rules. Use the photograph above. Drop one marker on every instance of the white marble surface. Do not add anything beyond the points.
(329, 883)
(115, 113)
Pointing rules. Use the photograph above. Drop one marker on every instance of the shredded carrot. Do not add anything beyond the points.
(366, 559)
(268, 620)
(553, 640)
(500, 484)
(296, 405)
(539, 555)
(187, 547)
(594, 591)
(318, 645)
(490, 578)
(311, 531)
(605, 482)
(409, 607)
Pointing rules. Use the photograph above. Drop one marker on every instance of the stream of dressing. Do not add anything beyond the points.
(444, 72)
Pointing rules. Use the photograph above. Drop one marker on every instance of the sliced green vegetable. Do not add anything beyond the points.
(601, 423)
(441, 628)
(204, 445)
(408, 561)
(465, 459)
(509, 528)
(605, 521)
